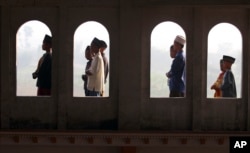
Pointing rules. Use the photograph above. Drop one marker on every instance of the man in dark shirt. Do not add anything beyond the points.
(43, 72)
(176, 83)
(228, 86)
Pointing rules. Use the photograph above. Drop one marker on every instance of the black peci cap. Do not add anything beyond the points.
(228, 59)
(47, 39)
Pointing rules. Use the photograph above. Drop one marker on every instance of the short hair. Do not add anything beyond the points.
(87, 48)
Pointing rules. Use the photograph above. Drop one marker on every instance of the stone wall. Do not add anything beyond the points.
(129, 106)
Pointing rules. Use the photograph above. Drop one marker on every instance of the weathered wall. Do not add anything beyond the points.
(129, 107)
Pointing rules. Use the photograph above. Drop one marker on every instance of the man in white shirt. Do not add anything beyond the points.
(96, 71)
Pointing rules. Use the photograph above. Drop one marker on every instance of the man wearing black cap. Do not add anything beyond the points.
(43, 71)
(96, 71)
(228, 86)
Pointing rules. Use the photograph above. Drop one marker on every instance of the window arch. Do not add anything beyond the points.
(83, 36)
(29, 38)
(224, 39)
(162, 37)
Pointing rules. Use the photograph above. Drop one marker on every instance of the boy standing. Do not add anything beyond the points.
(105, 59)
(172, 55)
(89, 57)
(228, 86)
(217, 84)
(105, 62)
(43, 71)
(96, 71)
(176, 83)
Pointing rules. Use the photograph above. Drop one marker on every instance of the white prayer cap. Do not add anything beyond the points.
(180, 39)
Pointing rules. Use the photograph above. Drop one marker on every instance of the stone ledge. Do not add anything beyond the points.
(107, 138)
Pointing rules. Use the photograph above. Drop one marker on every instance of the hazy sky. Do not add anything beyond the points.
(223, 39)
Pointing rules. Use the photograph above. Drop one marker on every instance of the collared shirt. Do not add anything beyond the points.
(176, 82)
(96, 80)
(228, 86)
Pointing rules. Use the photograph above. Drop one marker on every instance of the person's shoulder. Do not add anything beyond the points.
(47, 54)
(179, 56)
(229, 73)
(222, 74)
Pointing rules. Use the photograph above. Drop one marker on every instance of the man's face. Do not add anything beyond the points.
(94, 48)
(226, 65)
(102, 49)
(172, 52)
(221, 66)
(177, 46)
(46, 46)
(88, 54)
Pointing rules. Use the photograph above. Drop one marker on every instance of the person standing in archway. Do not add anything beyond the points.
(216, 86)
(96, 71)
(172, 53)
(43, 71)
(176, 83)
(105, 62)
(228, 86)
(89, 57)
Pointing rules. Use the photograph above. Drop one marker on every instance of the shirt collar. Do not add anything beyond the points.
(180, 52)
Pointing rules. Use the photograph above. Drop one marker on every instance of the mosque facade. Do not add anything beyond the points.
(128, 120)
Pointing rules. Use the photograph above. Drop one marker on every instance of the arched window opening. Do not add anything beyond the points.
(162, 37)
(223, 39)
(29, 39)
(83, 37)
